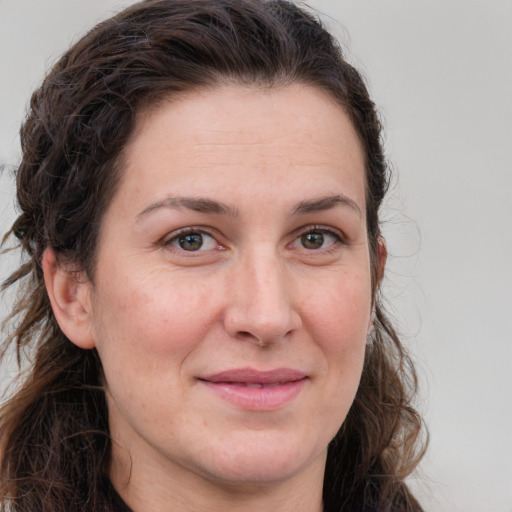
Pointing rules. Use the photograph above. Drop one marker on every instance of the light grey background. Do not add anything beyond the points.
(441, 73)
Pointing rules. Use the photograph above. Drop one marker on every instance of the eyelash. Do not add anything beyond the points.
(314, 229)
(192, 230)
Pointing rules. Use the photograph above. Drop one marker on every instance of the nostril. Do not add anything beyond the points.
(248, 336)
(245, 335)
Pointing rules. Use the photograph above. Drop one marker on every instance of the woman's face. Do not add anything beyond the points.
(232, 293)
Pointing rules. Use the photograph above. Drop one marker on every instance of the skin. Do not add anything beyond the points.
(281, 280)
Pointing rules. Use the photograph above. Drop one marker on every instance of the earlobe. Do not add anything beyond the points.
(70, 297)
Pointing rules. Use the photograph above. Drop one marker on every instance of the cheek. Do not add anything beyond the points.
(145, 329)
(152, 315)
(338, 320)
(340, 311)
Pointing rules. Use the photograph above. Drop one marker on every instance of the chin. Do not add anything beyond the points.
(264, 463)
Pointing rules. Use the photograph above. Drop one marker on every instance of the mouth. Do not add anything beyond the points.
(257, 390)
(255, 385)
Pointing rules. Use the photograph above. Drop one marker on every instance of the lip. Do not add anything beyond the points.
(257, 390)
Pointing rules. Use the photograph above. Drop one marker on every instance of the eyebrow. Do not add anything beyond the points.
(326, 203)
(205, 205)
(198, 204)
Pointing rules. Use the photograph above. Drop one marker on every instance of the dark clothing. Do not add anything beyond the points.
(120, 506)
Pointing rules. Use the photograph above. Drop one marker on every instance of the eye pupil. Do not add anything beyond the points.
(312, 240)
(191, 242)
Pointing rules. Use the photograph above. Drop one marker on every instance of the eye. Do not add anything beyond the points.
(312, 240)
(192, 241)
(317, 239)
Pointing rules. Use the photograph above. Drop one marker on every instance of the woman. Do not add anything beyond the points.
(199, 196)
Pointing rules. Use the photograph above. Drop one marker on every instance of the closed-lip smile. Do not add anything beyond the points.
(255, 389)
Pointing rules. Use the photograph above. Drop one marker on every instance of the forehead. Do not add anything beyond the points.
(234, 135)
(247, 109)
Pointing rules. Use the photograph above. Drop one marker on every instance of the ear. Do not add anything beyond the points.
(70, 297)
(382, 256)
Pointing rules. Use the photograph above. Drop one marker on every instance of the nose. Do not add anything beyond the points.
(260, 306)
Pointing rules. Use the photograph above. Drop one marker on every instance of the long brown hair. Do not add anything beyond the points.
(54, 434)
